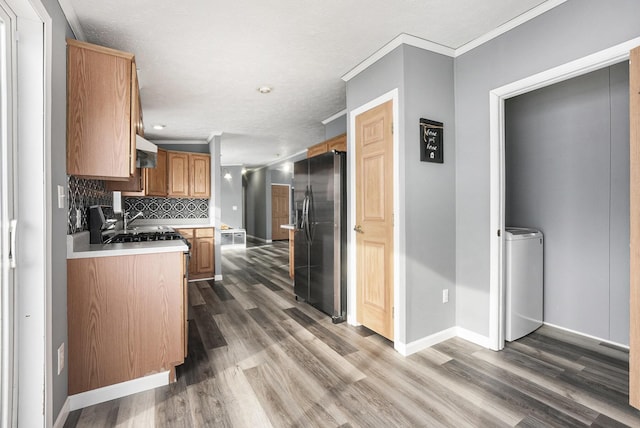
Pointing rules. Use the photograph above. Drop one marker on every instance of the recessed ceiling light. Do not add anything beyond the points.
(265, 89)
(159, 126)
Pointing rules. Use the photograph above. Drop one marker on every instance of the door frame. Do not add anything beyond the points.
(497, 97)
(33, 172)
(399, 263)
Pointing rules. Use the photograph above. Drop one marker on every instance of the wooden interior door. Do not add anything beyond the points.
(279, 212)
(634, 228)
(374, 219)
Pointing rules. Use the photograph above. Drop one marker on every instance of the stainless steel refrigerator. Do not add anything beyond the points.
(320, 235)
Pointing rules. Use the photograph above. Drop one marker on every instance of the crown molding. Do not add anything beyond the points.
(402, 39)
(509, 25)
(72, 19)
(335, 116)
(410, 40)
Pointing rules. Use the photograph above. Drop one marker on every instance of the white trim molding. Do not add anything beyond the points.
(588, 336)
(63, 415)
(111, 392)
(441, 336)
(598, 60)
(428, 45)
(509, 25)
(402, 39)
(334, 117)
(72, 18)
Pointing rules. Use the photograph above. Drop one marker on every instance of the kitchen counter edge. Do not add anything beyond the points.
(78, 247)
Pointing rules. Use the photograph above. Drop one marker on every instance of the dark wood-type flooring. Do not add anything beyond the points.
(258, 358)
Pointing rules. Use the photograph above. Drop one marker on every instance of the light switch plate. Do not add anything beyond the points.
(445, 295)
(61, 196)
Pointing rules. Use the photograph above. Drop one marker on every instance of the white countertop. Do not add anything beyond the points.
(288, 226)
(78, 247)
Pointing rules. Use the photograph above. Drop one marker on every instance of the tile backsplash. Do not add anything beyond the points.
(82, 193)
(168, 208)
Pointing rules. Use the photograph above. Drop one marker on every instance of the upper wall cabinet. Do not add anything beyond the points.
(189, 175)
(103, 112)
(338, 143)
(145, 181)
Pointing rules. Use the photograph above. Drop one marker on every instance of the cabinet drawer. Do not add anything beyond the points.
(205, 232)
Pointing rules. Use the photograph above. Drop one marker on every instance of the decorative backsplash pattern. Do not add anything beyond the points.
(168, 208)
(82, 193)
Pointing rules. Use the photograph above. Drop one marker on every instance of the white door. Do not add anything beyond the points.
(7, 228)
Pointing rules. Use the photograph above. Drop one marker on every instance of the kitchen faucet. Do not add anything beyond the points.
(127, 221)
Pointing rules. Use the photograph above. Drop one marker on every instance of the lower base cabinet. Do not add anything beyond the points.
(202, 242)
(126, 318)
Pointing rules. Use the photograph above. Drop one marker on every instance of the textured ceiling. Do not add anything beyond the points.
(201, 61)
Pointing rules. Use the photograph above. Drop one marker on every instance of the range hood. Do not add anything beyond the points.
(146, 153)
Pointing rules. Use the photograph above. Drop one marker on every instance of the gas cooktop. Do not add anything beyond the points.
(143, 237)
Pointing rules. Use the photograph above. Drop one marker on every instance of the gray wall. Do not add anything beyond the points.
(193, 148)
(337, 126)
(60, 31)
(425, 83)
(231, 195)
(570, 31)
(257, 203)
(567, 174)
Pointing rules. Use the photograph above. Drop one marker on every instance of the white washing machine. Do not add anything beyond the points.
(524, 281)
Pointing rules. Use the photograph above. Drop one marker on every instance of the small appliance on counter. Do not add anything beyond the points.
(102, 223)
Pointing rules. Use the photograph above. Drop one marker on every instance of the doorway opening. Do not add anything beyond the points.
(498, 96)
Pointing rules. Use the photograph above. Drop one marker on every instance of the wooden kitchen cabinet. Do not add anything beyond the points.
(202, 242)
(178, 174)
(145, 181)
(126, 318)
(338, 143)
(156, 178)
(103, 112)
(199, 176)
(189, 175)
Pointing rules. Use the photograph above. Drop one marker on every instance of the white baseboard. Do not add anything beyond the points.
(63, 415)
(111, 392)
(218, 278)
(579, 333)
(407, 349)
(473, 337)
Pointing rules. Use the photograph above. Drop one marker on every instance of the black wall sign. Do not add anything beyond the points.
(431, 141)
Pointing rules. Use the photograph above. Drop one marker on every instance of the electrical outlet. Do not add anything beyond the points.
(61, 358)
(445, 295)
(78, 218)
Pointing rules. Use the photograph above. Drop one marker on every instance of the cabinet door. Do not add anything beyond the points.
(316, 150)
(99, 112)
(200, 176)
(178, 176)
(338, 143)
(134, 186)
(157, 177)
(204, 255)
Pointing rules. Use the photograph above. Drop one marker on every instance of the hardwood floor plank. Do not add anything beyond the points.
(195, 298)
(334, 341)
(209, 332)
(259, 358)
(137, 411)
(100, 415)
(206, 407)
